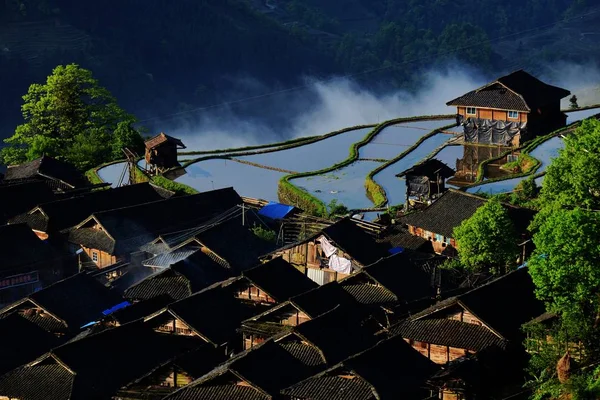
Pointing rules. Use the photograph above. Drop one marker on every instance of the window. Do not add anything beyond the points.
(471, 111)
(513, 114)
(94, 256)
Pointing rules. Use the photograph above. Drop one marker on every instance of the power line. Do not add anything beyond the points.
(544, 27)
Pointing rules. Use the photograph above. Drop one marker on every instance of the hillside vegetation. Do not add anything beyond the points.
(160, 57)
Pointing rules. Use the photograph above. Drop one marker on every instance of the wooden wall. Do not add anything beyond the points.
(104, 259)
(438, 245)
(175, 326)
(437, 353)
(255, 294)
(489, 113)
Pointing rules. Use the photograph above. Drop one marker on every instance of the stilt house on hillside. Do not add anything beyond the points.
(510, 110)
(426, 180)
(161, 152)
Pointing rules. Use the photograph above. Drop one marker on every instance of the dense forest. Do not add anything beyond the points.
(160, 57)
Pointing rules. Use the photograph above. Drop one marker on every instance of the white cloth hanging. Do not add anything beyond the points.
(327, 247)
(340, 264)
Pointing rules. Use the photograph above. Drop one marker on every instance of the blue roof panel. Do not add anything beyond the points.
(276, 210)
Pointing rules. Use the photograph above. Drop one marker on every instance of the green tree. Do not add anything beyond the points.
(573, 178)
(70, 117)
(487, 240)
(564, 266)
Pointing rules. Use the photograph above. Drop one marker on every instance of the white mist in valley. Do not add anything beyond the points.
(326, 106)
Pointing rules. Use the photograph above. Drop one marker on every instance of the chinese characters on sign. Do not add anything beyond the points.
(18, 280)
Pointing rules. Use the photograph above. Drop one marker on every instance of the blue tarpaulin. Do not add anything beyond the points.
(275, 210)
(396, 250)
(115, 308)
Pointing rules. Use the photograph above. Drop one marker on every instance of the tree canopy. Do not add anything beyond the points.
(487, 239)
(71, 117)
(573, 178)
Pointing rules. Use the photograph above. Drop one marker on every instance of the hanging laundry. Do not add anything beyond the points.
(327, 247)
(340, 264)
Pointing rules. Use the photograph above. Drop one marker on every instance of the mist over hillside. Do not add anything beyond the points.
(160, 58)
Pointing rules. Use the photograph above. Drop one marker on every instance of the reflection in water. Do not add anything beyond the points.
(245, 179)
(467, 166)
(346, 185)
(112, 173)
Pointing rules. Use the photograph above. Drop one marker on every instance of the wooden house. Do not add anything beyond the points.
(96, 366)
(29, 264)
(58, 175)
(426, 180)
(397, 283)
(273, 282)
(510, 110)
(389, 370)
(259, 373)
(161, 152)
(213, 314)
(436, 223)
(334, 252)
(51, 218)
(490, 315)
(297, 310)
(111, 236)
(180, 274)
(54, 309)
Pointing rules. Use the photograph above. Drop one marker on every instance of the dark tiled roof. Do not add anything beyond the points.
(447, 332)
(23, 341)
(132, 227)
(305, 353)
(337, 333)
(46, 322)
(49, 167)
(214, 313)
(61, 214)
(20, 198)
(106, 361)
(235, 243)
(446, 213)
(163, 138)
(398, 236)
(503, 304)
(164, 260)
(430, 168)
(181, 279)
(369, 294)
(406, 379)
(38, 382)
(92, 238)
(167, 282)
(409, 275)
(354, 241)
(331, 387)
(141, 309)
(92, 298)
(279, 279)
(218, 392)
(526, 93)
(22, 249)
(325, 298)
(272, 367)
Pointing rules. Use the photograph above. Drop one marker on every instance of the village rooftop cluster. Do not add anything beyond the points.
(137, 292)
